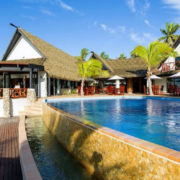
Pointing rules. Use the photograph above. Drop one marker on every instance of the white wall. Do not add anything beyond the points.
(161, 82)
(42, 78)
(18, 105)
(172, 59)
(23, 50)
(1, 108)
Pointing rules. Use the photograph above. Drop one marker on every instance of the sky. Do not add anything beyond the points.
(113, 26)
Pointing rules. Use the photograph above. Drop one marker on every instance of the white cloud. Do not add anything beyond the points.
(148, 23)
(138, 6)
(47, 12)
(175, 4)
(104, 27)
(65, 6)
(131, 4)
(142, 38)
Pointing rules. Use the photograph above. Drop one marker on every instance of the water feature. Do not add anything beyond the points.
(52, 160)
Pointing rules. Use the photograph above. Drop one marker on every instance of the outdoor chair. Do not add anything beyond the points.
(111, 90)
(86, 91)
(91, 90)
(155, 89)
(79, 90)
(122, 89)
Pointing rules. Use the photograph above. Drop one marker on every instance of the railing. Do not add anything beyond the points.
(168, 67)
(1, 92)
(18, 92)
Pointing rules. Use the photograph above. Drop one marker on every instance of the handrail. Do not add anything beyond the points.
(18, 92)
(170, 66)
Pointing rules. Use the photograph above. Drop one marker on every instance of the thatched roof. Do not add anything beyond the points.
(57, 64)
(37, 61)
(132, 67)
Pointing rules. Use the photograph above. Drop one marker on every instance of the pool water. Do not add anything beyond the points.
(52, 160)
(153, 119)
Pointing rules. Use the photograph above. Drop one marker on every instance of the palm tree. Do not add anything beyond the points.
(122, 56)
(169, 33)
(89, 69)
(153, 55)
(82, 68)
(104, 55)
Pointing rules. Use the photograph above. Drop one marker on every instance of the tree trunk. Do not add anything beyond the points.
(82, 87)
(149, 83)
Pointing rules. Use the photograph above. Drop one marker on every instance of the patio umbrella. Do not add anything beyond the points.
(117, 79)
(154, 77)
(175, 75)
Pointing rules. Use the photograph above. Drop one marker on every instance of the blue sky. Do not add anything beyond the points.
(113, 26)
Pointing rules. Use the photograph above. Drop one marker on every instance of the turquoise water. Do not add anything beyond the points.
(52, 160)
(153, 119)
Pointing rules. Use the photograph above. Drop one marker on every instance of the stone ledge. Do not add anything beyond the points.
(28, 165)
(120, 155)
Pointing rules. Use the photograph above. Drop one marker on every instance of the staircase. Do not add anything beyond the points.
(35, 109)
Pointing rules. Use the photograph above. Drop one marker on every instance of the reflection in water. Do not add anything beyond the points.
(153, 119)
(52, 160)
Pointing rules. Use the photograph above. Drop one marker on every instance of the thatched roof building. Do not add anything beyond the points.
(128, 68)
(56, 62)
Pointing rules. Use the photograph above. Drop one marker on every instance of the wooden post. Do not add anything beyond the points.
(49, 86)
(4, 80)
(54, 86)
(30, 79)
(129, 85)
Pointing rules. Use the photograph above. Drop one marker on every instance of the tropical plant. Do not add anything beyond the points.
(89, 69)
(122, 56)
(153, 55)
(104, 55)
(169, 33)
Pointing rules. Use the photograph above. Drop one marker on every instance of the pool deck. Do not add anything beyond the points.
(10, 167)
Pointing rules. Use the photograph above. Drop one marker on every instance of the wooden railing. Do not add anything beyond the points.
(1, 92)
(18, 92)
(168, 67)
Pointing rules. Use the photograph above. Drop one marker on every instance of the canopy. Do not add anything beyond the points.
(116, 77)
(154, 77)
(175, 75)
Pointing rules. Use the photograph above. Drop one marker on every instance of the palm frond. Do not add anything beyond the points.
(141, 51)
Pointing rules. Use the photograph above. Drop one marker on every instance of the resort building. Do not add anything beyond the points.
(167, 68)
(30, 62)
(133, 70)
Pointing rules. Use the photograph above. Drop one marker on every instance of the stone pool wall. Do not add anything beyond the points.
(109, 154)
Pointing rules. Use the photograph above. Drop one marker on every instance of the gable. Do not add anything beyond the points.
(23, 49)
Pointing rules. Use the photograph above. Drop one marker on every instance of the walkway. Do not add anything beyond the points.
(9, 149)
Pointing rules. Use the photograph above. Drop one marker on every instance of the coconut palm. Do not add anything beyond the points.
(104, 55)
(153, 55)
(122, 56)
(169, 33)
(89, 69)
(82, 67)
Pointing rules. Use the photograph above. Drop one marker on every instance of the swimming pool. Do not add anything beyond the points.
(153, 119)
